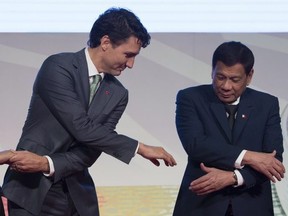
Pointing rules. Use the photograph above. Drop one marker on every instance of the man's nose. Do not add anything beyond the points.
(130, 62)
(227, 84)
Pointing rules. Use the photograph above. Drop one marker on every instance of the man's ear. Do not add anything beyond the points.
(250, 75)
(105, 42)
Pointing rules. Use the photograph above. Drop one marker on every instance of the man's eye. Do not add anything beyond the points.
(130, 55)
(220, 77)
(236, 80)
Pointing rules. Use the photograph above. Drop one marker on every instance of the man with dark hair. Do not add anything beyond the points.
(69, 125)
(232, 156)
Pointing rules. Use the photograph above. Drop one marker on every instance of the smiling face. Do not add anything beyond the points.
(230, 82)
(115, 58)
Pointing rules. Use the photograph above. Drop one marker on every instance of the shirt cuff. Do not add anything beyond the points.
(51, 167)
(136, 149)
(240, 179)
(238, 162)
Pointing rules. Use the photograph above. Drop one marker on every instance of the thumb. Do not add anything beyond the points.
(204, 168)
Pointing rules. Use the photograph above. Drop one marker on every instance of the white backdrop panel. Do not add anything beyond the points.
(173, 61)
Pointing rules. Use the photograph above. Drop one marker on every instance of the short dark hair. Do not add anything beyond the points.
(231, 53)
(119, 24)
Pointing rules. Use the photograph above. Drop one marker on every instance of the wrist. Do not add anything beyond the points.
(235, 178)
(140, 148)
(247, 158)
(45, 165)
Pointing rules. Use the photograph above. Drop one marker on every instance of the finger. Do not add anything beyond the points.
(277, 175)
(14, 158)
(174, 163)
(270, 176)
(205, 192)
(14, 167)
(171, 163)
(205, 179)
(200, 182)
(166, 163)
(155, 162)
(272, 179)
(280, 168)
(169, 160)
(201, 190)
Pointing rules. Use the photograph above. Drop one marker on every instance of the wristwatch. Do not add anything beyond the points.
(235, 178)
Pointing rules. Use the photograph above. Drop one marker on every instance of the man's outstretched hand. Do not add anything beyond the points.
(154, 154)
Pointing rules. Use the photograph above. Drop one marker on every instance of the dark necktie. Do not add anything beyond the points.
(94, 85)
(231, 110)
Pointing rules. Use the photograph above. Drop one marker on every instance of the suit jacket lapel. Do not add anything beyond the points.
(243, 114)
(102, 97)
(80, 65)
(219, 113)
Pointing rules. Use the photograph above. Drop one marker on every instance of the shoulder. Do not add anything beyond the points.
(196, 91)
(259, 96)
(65, 58)
(260, 100)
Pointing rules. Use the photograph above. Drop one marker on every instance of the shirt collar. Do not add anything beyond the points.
(92, 70)
(236, 102)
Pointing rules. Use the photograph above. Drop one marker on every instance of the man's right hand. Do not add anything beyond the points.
(154, 153)
(25, 161)
(265, 163)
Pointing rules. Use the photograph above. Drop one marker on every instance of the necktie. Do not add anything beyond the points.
(231, 110)
(94, 85)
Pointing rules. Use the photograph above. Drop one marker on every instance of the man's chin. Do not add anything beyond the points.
(227, 100)
(116, 73)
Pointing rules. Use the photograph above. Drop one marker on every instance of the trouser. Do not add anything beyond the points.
(229, 211)
(57, 203)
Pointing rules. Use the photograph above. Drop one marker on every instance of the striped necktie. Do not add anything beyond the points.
(94, 85)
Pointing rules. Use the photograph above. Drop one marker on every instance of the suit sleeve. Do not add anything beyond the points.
(272, 140)
(197, 142)
(55, 84)
(207, 145)
(80, 157)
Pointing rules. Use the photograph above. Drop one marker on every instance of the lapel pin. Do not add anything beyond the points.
(244, 116)
(107, 92)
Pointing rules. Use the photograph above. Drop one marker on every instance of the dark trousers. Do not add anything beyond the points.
(56, 203)
(229, 211)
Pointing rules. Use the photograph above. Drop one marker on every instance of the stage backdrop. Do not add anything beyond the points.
(172, 62)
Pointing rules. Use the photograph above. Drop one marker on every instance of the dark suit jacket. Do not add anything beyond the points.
(203, 129)
(62, 125)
